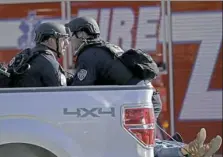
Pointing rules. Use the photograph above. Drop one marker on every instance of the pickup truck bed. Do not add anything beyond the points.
(72, 121)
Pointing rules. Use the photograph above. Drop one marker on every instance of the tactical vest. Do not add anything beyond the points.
(20, 64)
(115, 51)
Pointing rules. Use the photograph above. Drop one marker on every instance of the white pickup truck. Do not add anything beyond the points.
(77, 122)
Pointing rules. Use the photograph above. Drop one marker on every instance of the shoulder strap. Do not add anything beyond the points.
(86, 44)
(114, 49)
(3, 70)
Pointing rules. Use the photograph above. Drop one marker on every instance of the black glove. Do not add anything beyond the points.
(70, 80)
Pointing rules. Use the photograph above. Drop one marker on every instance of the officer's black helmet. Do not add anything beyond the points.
(49, 29)
(86, 24)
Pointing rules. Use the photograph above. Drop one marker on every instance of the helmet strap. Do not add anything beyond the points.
(57, 48)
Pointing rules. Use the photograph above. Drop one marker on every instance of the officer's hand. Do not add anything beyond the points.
(70, 80)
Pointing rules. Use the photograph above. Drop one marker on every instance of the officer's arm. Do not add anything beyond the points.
(50, 76)
(86, 69)
(157, 103)
(156, 100)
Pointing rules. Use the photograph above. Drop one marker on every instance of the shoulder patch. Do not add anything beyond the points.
(82, 74)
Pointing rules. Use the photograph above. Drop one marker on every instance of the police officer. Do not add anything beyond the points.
(95, 65)
(43, 69)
